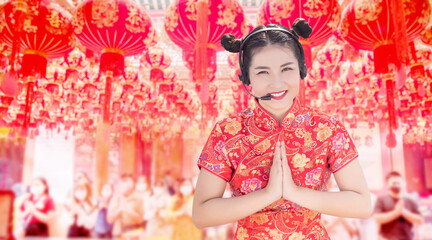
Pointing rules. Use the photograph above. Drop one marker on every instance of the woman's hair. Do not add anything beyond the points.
(44, 182)
(300, 28)
(392, 174)
(87, 187)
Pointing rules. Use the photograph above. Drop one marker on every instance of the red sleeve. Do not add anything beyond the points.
(342, 149)
(22, 206)
(49, 205)
(214, 157)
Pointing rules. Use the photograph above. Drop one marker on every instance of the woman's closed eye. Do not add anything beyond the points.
(262, 72)
(287, 69)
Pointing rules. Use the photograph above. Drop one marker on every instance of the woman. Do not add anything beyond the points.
(278, 155)
(103, 229)
(37, 209)
(181, 211)
(156, 214)
(81, 210)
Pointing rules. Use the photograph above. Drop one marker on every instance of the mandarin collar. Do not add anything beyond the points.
(267, 122)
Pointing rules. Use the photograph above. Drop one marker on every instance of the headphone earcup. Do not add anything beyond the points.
(303, 71)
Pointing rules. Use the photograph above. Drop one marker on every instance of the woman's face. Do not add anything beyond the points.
(107, 191)
(274, 70)
(37, 187)
(81, 193)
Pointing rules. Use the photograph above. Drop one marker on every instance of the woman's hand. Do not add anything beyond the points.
(288, 185)
(275, 183)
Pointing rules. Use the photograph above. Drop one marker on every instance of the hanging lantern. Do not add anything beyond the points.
(116, 28)
(156, 60)
(330, 58)
(372, 26)
(197, 26)
(322, 16)
(397, 25)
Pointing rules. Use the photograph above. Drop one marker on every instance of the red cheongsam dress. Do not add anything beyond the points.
(240, 151)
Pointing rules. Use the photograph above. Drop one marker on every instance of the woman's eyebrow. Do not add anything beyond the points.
(265, 67)
(262, 67)
(286, 64)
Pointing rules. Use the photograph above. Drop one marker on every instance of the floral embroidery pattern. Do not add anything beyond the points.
(240, 150)
(242, 234)
(233, 127)
(297, 236)
(251, 185)
(313, 177)
(300, 160)
(323, 132)
(338, 141)
(261, 147)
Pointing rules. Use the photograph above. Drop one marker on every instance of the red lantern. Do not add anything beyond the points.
(384, 26)
(197, 27)
(116, 29)
(370, 25)
(330, 58)
(43, 32)
(322, 16)
(46, 33)
(157, 61)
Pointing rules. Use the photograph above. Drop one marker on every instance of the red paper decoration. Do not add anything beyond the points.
(322, 16)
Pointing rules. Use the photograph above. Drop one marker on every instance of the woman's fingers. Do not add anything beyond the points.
(287, 183)
(275, 175)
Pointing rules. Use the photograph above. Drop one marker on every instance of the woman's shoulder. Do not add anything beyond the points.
(319, 116)
(233, 123)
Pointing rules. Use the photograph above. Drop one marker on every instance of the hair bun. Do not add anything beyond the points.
(301, 28)
(230, 43)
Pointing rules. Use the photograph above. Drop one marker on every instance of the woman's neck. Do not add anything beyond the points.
(277, 113)
(37, 197)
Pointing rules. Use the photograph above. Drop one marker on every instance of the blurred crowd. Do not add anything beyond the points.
(133, 209)
(130, 208)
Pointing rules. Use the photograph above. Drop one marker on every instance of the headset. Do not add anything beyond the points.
(302, 67)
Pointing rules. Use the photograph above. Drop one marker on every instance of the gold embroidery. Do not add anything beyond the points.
(367, 11)
(191, 10)
(136, 21)
(104, 13)
(171, 18)
(28, 27)
(78, 21)
(316, 8)
(226, 17)
(57, 23)
(280, 10)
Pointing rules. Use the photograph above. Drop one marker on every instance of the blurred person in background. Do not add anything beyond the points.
(158, 227)
(81, 210)
(142, 191)
(126, 208)
(36, 210)
(103, 229)
(396, 213)
(82, 178)
(181, 213)
(170, 182)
